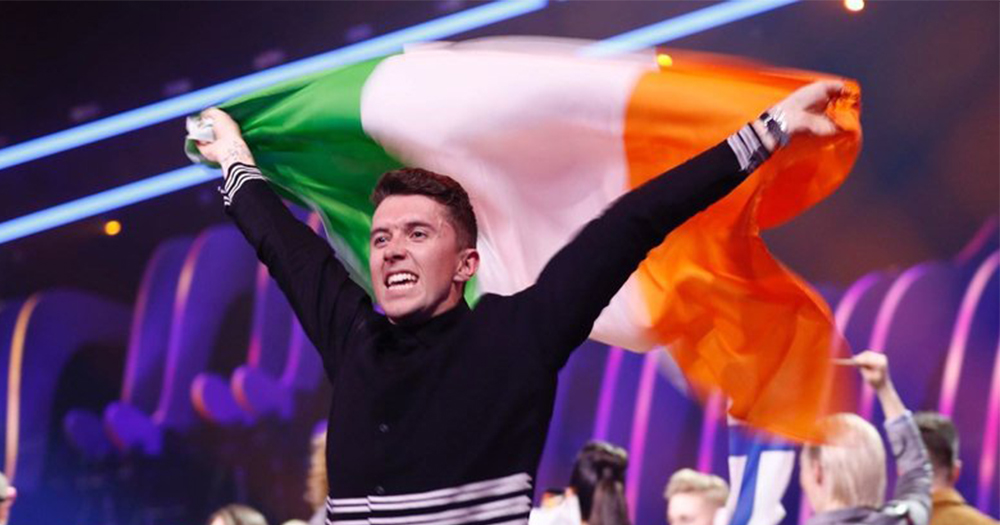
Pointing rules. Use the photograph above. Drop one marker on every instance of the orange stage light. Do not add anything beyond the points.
(112, 228)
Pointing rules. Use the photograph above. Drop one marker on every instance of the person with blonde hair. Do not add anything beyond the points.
(236, 514)
(844, 477)
(694, 498)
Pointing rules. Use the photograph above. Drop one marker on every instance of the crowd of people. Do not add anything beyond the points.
(843, 477)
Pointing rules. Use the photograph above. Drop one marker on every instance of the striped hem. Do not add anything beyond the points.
(236, 177)
(499, 501)
(749, 150)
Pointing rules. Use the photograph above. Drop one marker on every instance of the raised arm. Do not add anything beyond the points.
(912, 495)
(318, 287)
(583, 277)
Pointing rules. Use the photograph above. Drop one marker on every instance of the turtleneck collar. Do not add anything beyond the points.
(435, 328)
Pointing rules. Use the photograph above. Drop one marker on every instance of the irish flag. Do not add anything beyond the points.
(544, 138)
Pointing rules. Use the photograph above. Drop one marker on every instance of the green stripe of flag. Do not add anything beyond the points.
(307, 137)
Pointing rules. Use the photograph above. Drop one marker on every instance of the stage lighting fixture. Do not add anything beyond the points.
(112, 228)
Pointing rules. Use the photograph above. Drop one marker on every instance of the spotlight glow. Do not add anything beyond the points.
(854, 5)
(105, 201)
(112, 228)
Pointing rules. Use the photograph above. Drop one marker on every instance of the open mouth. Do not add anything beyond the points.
(400, 280)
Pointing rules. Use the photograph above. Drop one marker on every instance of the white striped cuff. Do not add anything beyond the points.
(749, 150)
(236, 177)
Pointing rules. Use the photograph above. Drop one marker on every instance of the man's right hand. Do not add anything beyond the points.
(228, 146)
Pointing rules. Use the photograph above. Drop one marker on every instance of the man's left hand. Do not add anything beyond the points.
(804, 111)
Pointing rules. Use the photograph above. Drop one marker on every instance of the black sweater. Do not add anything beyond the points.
(447, 420)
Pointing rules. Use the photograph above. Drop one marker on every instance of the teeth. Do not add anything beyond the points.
(402, 278)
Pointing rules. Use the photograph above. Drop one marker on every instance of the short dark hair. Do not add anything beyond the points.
(941, 439)
(441, 188)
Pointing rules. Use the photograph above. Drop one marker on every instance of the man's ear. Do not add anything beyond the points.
(818, 473)
(811, 469)
(468, 265)
(956, 470)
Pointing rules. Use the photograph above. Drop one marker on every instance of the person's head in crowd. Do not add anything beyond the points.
(693, 498)
(847, 469)
(941, 439)
(236, 514)
(598, 481)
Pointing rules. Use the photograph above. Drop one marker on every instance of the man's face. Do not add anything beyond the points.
(417, 267)
(688, 508)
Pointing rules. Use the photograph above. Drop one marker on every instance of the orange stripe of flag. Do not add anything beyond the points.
(734, 317)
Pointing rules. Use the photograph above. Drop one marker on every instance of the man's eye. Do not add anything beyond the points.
(418, 234)
(379, 240)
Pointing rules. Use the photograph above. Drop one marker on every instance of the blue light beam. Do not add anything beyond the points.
(189, 103)
(105, 201)
(682, 26)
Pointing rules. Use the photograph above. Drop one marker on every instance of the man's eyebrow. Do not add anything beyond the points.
(377, 230)
(409, 225)
(415, 224)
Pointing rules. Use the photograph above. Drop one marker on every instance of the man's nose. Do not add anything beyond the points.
(394, 250)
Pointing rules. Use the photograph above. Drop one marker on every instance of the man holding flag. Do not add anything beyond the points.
(440, 412)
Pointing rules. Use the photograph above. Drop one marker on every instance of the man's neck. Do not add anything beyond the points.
(831, 505)
(939, 483)
(440, 318)
(454, 299)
